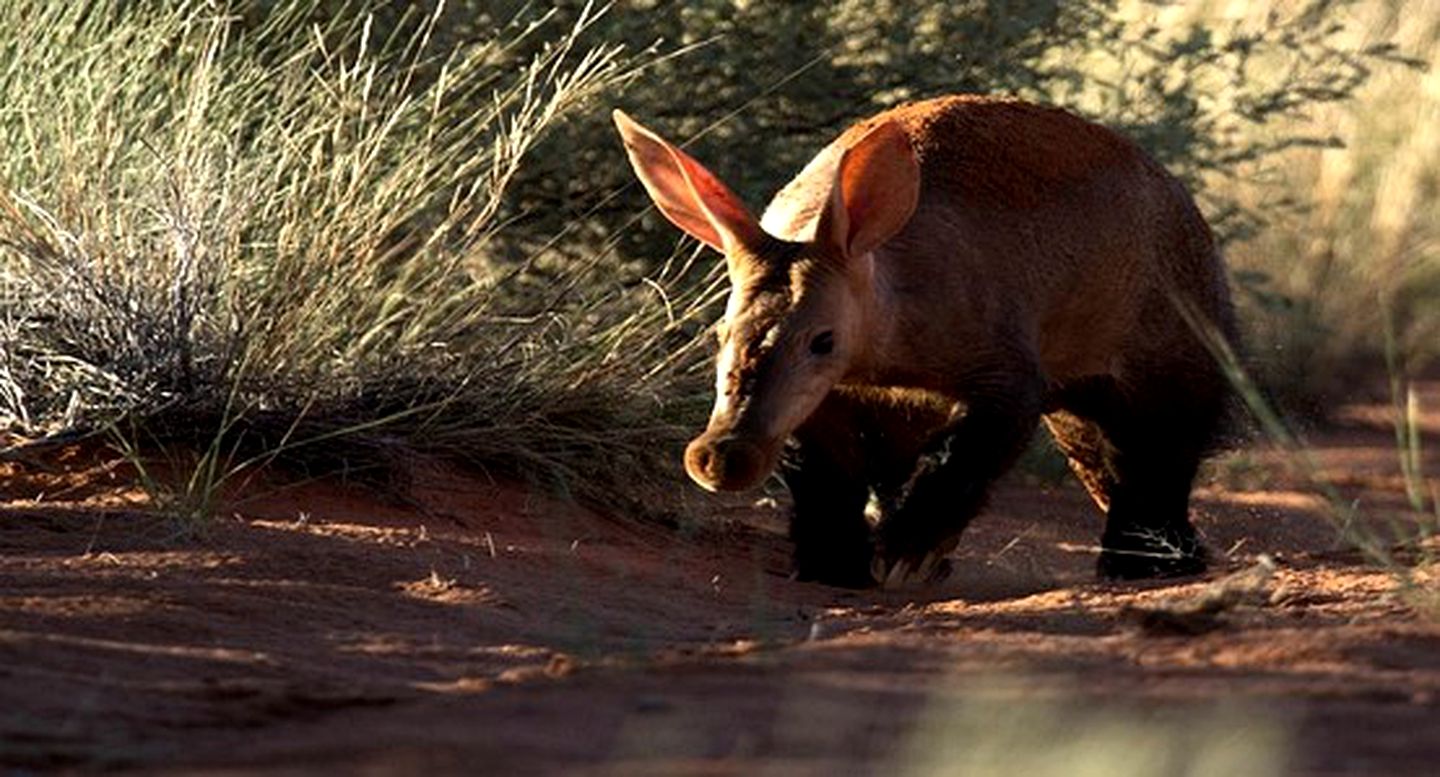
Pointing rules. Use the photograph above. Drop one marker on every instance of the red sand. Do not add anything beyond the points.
(475, 628)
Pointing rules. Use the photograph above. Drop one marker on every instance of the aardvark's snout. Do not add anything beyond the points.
(727, 462)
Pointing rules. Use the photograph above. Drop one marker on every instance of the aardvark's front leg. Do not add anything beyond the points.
(923, 522)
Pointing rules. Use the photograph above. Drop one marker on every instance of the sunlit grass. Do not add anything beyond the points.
(1351, 272)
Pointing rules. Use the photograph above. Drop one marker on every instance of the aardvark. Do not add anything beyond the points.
(932, 285)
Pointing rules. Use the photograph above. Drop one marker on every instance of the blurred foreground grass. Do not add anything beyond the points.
(982, 732)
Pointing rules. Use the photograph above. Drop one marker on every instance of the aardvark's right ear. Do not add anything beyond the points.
(688, 194)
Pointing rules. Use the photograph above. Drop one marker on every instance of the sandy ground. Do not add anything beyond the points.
(471, 627)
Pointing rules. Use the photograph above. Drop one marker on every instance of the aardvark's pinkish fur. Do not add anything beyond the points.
(934, 283)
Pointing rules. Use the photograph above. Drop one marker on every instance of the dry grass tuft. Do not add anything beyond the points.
(232, 227)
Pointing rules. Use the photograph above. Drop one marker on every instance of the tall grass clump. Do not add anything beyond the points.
(263, 229)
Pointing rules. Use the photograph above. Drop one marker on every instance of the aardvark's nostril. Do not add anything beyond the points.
(732, 458)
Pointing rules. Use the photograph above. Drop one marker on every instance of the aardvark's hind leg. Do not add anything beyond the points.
(1137, 451)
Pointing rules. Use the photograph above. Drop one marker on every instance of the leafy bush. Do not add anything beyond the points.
(761, 85)
(1351, 280)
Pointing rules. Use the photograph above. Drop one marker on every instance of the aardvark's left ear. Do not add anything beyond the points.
(877, 186)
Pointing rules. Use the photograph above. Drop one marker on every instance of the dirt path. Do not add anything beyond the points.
(477, 629)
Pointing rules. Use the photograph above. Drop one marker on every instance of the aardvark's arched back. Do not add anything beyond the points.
(929, 287)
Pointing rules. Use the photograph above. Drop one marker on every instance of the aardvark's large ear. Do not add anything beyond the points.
(688, 194)
(877, 186)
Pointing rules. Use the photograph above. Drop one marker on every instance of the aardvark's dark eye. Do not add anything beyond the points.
(823, 343)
